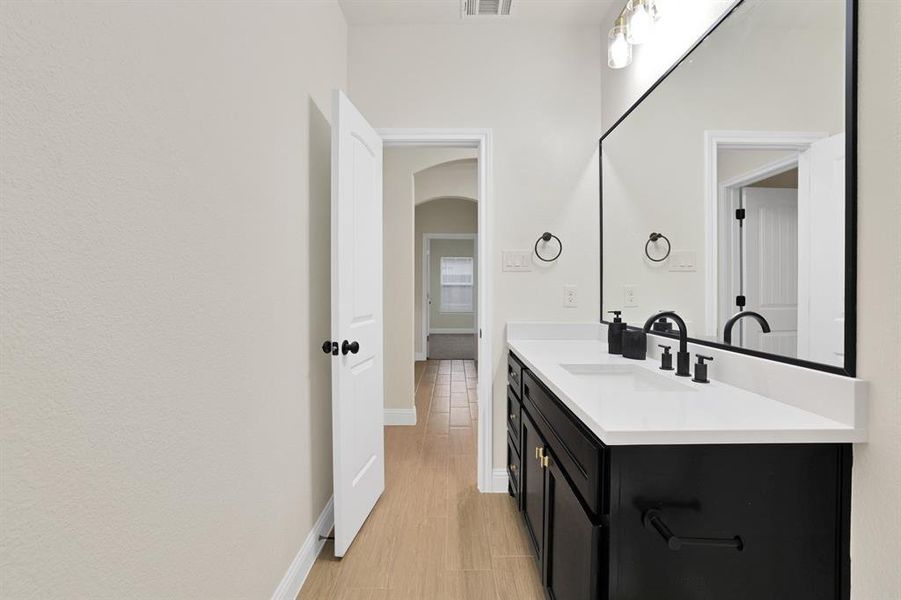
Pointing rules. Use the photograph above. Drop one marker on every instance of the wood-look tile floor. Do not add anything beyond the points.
(432, 535)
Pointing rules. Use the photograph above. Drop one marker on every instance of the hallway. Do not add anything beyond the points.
(432, 535)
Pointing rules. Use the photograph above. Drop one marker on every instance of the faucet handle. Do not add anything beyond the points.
(666, 359)
(701, 369)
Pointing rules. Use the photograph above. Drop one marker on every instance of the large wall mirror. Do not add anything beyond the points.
(730, 187)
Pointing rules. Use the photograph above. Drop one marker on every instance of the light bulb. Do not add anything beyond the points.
(619, 52)
(639, 22)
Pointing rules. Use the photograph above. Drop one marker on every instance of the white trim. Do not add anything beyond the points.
(481, 139)
(297, 572)
(459, 330)
(500, 481)
(400, 416)
(733, 140)
(420, 356)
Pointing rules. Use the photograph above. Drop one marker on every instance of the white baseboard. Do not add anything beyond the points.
(451, 330)
(499, 481)
(300, 567)
(400, 416)
(420, 356)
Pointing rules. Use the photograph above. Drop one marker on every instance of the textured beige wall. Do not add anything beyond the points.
(400, 165)
(538, 88)
(166, 428)
(876, 491)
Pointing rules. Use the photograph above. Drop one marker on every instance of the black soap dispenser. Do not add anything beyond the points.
(615, 333)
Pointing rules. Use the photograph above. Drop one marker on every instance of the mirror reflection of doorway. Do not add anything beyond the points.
(780, 224)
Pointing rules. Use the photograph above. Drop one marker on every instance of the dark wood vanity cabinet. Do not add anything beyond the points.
(677, 522)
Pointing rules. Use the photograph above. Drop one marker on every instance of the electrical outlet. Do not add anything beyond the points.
(570, 299)
(630, 296)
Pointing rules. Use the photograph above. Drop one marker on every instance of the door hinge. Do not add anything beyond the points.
(740, 214)
(480, 333)
(740, 301)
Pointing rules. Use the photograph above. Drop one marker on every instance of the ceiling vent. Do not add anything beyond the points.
(486, 8)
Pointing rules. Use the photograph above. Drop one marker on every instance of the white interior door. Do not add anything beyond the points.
(821, 243)
(770, 249)
(357, 393)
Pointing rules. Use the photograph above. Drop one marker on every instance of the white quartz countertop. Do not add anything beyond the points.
(669, 410)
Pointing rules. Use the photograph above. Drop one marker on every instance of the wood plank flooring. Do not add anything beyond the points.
(432, 535)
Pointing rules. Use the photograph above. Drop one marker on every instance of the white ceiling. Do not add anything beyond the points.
(411, 12)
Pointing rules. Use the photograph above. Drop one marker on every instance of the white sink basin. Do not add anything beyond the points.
(628, 378)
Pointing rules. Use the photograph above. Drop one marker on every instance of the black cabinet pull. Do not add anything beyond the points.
(352, 347)
(653, 519)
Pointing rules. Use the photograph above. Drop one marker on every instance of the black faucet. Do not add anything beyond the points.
(682, 357)
(727, 330)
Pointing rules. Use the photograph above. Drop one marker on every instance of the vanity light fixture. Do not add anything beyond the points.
(633, 26)
(619, 51)
(640, 17)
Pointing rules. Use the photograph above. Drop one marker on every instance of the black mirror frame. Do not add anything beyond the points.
(849, 369)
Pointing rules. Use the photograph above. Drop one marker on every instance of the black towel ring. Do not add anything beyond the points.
(546, 237)
(653, 238)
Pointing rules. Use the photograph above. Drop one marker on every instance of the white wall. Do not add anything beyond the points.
(538, 88)
(876, 490)
(401, 254)
(165, 215)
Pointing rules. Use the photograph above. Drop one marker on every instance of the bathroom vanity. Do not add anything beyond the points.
(727, 191)
(633, 483)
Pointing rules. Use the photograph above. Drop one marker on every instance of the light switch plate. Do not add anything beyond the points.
(683, 260)
(516, 260)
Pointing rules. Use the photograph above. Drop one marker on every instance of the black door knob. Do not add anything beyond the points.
(352, 347)
(330, 347)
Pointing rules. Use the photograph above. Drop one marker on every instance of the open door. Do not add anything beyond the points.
(357, 392)
(821, 245)
(770, 268)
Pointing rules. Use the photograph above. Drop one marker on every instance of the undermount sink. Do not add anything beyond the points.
(627, 378)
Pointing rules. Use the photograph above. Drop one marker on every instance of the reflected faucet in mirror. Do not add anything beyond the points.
(682, 357)
(727, 329)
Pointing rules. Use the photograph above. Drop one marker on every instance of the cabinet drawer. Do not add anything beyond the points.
(514, 374)
(514, 465)
(580, 454)
(514, 416)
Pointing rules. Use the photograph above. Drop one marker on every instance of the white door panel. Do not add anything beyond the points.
(821, 285)
(357, 392)
(770, 240)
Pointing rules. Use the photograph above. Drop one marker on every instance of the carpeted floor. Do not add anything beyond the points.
(452, 346)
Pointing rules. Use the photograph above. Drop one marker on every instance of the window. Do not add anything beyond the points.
(456, 284)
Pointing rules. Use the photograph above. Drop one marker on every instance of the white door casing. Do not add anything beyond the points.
(821, 251)
(357, 378)
(770, 265)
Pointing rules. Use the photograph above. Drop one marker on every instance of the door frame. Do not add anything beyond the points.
(426, 278)
(714, 141)
(488, 480)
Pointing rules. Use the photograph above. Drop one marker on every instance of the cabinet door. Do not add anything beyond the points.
(572, 548)
(531, 485)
